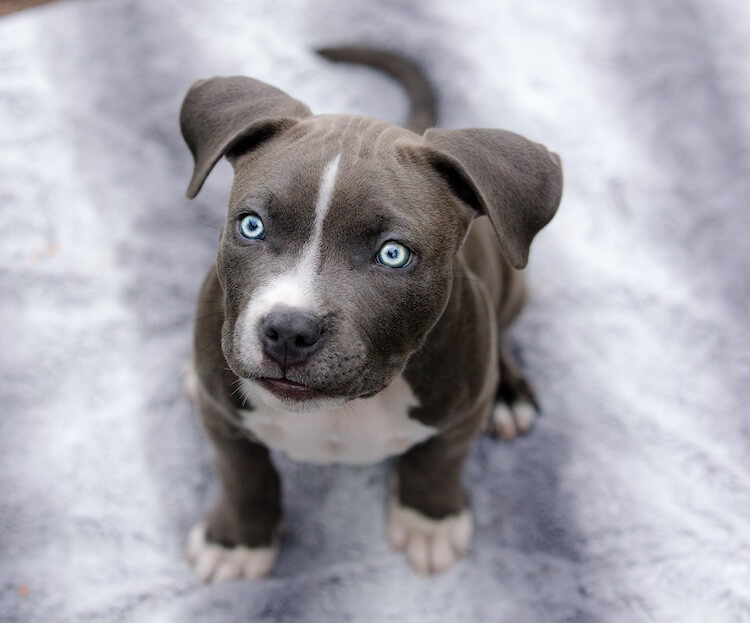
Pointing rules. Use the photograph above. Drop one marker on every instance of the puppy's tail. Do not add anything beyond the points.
(423, 114)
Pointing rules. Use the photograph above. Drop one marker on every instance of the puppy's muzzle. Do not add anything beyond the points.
(290, 337)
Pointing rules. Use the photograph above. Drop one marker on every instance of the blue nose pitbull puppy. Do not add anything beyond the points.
(365, 278)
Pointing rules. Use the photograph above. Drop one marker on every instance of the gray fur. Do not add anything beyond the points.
(623, 506)
(432, 320)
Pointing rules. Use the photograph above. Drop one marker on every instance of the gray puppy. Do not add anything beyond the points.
(357, 310)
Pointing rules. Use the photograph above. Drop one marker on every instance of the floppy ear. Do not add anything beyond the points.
(219, 114)
(515, 182)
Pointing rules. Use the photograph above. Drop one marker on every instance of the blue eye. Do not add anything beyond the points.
(394, 255)
(251, 227)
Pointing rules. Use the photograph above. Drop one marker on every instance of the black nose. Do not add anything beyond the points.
(290, 337)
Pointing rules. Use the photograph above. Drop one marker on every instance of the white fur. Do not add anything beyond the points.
(215, 563)
(510, 421)
(362, 431)
(190, 380)
(295, 288)
(325, 194)
(430, 545)
(524, 415)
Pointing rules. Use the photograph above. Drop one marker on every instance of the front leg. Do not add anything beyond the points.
(429, 515)
(239, 537)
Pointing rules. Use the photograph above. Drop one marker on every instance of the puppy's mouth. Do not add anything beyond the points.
(289, 390)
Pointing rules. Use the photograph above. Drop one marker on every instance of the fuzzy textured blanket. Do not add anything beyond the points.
(630, 501)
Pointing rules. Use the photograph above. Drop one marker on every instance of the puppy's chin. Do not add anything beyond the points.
(257, 391)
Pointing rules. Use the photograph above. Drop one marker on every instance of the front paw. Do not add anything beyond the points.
(215, 563)
(189, 378)
(508, 421)
(430, 545)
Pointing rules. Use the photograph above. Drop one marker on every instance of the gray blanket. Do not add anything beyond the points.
(630, 501)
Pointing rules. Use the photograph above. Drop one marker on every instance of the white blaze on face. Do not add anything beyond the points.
(325, 194)
(295, 288)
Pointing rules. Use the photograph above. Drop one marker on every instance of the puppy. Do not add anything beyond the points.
(357, 309)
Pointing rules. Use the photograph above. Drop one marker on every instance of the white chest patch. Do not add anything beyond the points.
(363, 431)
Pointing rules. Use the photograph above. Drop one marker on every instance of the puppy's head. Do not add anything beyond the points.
(337, 256)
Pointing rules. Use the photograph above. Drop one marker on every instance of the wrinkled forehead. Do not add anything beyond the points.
(341, 164)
